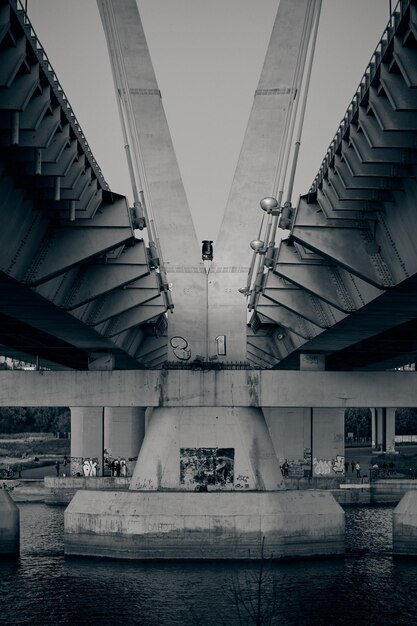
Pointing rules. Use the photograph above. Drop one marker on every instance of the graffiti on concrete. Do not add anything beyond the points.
(180, 345)
(118, 466)
(84, 466)
(328, 467)
(242, 482)
(297, 467)
(338, 464)
(77, 466)
(322, 467)
(90, 467)
(203, 467)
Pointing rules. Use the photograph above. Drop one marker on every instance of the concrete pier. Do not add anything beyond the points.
(404, 526)
(9, 525)
(187, 525)
(212, 447)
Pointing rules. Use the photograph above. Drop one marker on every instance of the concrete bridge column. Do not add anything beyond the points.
(124, 430)
(383, 429)
(390, 430)
(328, 442)
(87, 441)
(290, 431)
(311, 440)
(207, 449)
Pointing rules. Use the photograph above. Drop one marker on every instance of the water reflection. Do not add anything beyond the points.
(366, 587)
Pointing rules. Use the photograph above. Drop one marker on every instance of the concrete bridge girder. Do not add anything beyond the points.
(178, 388)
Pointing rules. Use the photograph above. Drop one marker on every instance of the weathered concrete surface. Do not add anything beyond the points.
(404, 526)
(9, 525)
(321, 452)
(181, 525)
(62, 490)
(211, 388)
(353, 495)
(28, 490)
(124, 430)
(255, 171)
(391, 491)
(165, 196)
(87, 436)
(181, 447)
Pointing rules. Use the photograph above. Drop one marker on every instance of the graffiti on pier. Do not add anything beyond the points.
(328, 467)
(84, 466)
(242, 482)
(202, 467)
(338, 464)
(90, 467)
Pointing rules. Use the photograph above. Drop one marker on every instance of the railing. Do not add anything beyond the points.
(359, 442)
(363, 87)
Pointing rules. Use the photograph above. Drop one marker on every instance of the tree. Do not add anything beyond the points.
(34, 419)
(358, 421)
(406, 422)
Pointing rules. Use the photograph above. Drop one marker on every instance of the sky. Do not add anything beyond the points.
(207, 56)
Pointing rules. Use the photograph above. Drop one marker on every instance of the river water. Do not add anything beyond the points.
(366, 587)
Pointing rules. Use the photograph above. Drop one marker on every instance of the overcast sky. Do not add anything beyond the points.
(207, 56)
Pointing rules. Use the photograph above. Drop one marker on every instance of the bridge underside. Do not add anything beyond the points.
(344, 282)
(75, 279)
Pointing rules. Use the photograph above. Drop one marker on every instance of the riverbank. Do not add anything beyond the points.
(54, 490)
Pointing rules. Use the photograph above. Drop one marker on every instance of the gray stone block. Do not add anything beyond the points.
(212, 525)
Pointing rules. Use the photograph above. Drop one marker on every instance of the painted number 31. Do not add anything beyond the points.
(180, 345)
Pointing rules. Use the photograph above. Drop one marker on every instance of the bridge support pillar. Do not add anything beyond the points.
(383, 429)
(311, 440)
(87, 441)
(228, 452)
(211, 448)
(124, 430)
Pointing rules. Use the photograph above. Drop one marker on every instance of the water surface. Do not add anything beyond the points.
(366, 587)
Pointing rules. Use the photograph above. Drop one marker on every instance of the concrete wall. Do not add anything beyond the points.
(404, 526)
(152, 525)
(291, 435)
(232, 446)
(62, 490)
(391, 491)
(87, 441)
(124, 430)
(9, 525)
(328, 442)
